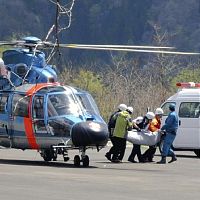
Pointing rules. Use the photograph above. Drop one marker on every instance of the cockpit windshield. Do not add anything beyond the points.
(59, 104)
(88, 103)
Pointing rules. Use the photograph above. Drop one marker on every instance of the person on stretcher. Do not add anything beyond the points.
(154, 126)
(140, 123)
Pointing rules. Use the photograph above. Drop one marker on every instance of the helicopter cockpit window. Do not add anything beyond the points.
(62, 104)
(20, 105)
(38, 111)
(3, 102)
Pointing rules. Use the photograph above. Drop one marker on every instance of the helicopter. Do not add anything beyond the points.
(52, 119)
(37, 112)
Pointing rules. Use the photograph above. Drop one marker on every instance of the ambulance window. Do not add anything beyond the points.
(3, 102)
(165, 108)
(189, 110)
(20, 105)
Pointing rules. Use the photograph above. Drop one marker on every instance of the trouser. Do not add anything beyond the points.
(149, 153)
(168, 141)
(119, 148)
(111, 151)
(136, 151)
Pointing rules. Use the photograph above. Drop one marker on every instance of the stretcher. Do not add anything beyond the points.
(144, 137)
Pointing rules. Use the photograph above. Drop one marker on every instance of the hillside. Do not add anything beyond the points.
(107, 22)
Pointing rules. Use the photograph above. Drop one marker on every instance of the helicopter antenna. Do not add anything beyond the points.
(56, 26)
(61, 11)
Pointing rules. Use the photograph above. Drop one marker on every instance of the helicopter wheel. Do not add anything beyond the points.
(54, 157)
(77, 161)
(66, 159)
(47, 155)
(86, 161)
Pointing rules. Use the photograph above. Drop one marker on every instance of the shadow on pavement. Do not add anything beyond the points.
(40, 163)
(183, 156)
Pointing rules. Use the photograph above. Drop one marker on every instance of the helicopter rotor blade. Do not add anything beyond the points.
(133, 50)
(2, 43)
(128, 48)
(118, 46)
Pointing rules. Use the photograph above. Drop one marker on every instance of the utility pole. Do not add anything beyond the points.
(57, 31)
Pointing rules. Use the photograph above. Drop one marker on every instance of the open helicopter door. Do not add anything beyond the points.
(39, 126)
(50, 126)
(4, 120)
(38, 115)
(40, 123)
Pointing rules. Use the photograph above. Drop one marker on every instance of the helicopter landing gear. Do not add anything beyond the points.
(84, 159)
(77, 161)
(53, 152)
(47, 155)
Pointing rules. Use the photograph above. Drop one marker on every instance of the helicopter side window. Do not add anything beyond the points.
(3, 103)
(20, 105)
(38, 114)
(38, 111)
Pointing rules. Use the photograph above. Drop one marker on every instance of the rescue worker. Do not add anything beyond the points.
(5, 81)
(3, 70)
(111, 126)
(123, 124)
(170, 127)
(144, 124)
(154, 126)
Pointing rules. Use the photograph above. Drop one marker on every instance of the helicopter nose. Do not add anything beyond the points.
(89, 134)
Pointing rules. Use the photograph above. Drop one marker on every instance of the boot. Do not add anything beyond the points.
(131, 160)
(108, 156)
(162, 161)
(173, 159)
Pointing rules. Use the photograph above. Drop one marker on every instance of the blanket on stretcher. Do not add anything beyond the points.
(143, 137)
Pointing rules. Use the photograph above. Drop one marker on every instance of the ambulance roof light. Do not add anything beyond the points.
(188, 85)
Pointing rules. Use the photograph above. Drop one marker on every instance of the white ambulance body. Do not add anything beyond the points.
(187, 101)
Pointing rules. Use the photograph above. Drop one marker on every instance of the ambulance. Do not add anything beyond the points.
(187, 101)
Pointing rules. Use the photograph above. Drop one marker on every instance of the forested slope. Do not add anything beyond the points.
(106, 21)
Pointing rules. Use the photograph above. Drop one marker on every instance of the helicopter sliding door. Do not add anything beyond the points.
(20, 138)
(4, 120)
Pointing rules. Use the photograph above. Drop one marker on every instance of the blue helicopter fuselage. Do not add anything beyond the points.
(38, 116)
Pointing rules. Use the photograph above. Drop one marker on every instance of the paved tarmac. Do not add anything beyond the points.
(24, 175)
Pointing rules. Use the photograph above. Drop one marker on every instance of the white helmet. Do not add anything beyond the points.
(139, 120)
(159, 111)
(130, 109)
(150, 115)
(1, 62)
(122, 107)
